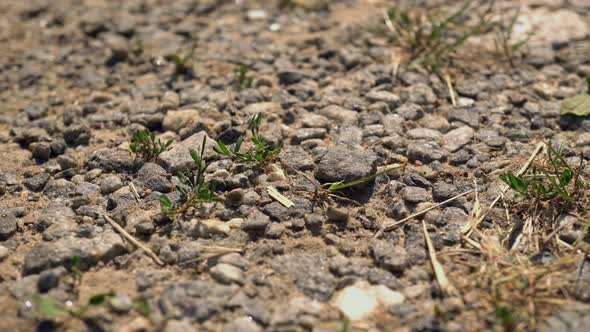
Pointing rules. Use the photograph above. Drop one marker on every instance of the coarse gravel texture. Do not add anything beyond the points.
(79, 78)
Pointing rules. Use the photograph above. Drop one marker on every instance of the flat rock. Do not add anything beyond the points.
(46, 255)
(362, 300)
(178, 158)
(457, 138)
(346, 163)
(7, 224)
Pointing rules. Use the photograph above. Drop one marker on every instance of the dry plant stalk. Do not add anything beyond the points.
(447, 288)
(131, 239)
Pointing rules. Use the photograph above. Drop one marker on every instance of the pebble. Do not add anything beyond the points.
(362, 300)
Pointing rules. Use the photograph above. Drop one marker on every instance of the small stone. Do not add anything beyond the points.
(49, 279)
(256, 221)
(419, 93)
(36, 111)
(242, 324)
(304, 134)
(7, 224)
(153, 177)
(337, 214)
(178, 158)
(37, 183)
(389, 257)
(41, 150)
(346, 163)
(457, 138)
(414, 194)
(110, 184)
(77, 135)
(340, 114)
(392, 100)
(274, 230)
(121, 303)
(235, 197)
(227, 274)
(4, 252)
(362, 300)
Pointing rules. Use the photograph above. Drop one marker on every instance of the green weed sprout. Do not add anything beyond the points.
(261, 153)
(182, 63)
(243, 80)
(147, 146)
(545, 182)
(193, 188)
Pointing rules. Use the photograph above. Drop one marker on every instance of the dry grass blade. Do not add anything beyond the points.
(451, 90)
(273, 192)
(524, 167)
(131, 239)
(475, 214)
(447, 288)
(391, 225)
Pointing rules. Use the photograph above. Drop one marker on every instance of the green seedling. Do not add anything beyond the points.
(506, 315)
(504, 38)
(545, 183)
(75, 270)
(430, 40)
(578, 105)
(47, 308)
(147, 146)
(243, 80)
(182, 63)
(262, 153)
(193, 188)
(326, 192)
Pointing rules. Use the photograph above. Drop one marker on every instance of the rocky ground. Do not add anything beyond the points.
(79, 78)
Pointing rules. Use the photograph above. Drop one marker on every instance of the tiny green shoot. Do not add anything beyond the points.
(193, 188)
(260, 154)
(147, 146)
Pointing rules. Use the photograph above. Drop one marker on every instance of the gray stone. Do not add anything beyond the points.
(7, 224)
(340, 114)
(4, 252)
(41, 150)
(458, 138)
(121, 303)
(112, 160)
(242, 324)
(274, 230)
(419, 93)
(227, 274)
(110, 183)
(195, 300)
(178, 158)
(389, 257)
(452, 220)
(153, 177)
(37, 182)
(391, 99)
(337, 214)
(278, 212)
(49, 279)
(349, 135)
(77, 135)
(308, 272)
(469, 116)
(36, 111)
(346, 163)
(415, 194)
(46, 255)
(424, 133)
(304, 134)
(442, 191)
(59, 188)
(256, 221)
(410, 111)
(296, 157)
(426, 152)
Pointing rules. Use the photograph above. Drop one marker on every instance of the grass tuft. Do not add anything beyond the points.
(194, 189)
(147, 146)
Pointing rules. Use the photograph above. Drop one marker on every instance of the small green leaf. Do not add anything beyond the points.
(48, 308)
(100, 298)
(578, 105)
